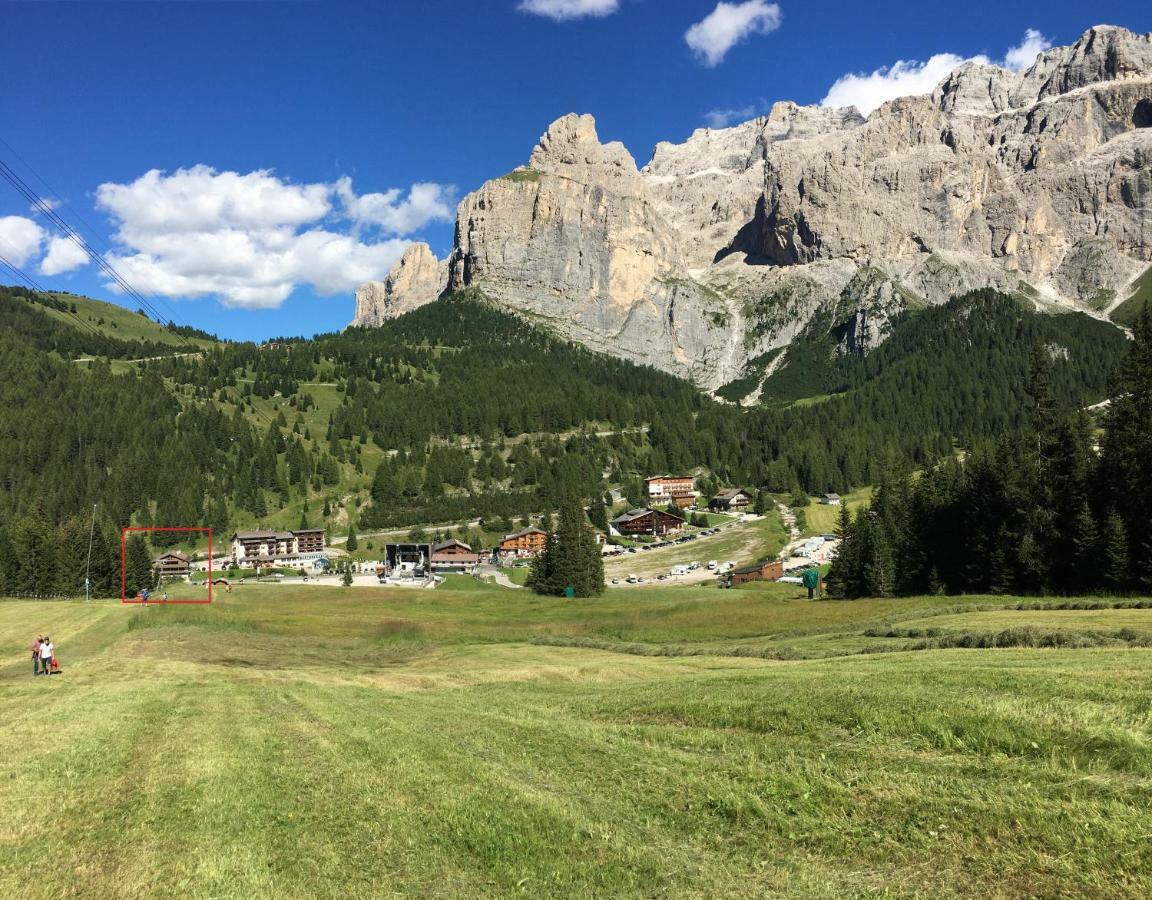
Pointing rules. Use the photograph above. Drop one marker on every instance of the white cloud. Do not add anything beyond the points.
(729, 24)
(251, 239)
(63, 256)
(722, 118)
(426, 203)
(909, 78)
(20, 239)
(904, 78)
(566, 10)
(1024, 54)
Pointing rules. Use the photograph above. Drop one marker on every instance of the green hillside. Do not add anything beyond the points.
(117, 322)
(460, 412)
(1128, 312)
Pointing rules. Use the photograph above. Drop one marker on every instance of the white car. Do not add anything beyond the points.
(712, 564)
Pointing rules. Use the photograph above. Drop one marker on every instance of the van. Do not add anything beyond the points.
(679, 570)
(712, 564)
(632, 579)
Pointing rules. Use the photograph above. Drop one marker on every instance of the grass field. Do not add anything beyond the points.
(823, 519)
(293, 741)
(121, 323)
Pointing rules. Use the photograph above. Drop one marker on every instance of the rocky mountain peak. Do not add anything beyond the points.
(416, 278)
(571, 148)
(732, 242)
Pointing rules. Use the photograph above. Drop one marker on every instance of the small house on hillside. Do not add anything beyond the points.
(646, 521)
(731, 499)
(769, 570)
(454, 556)
(830, 500)
(172, 564)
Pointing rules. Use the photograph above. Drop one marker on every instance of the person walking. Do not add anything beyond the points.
(46, 650)
(36, 655)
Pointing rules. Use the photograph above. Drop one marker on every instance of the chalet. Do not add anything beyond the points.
(830, 500)
(647, 521)
(678, 489)
(768, 570)
(528, 542)
(172, 564)
(733, 498)
(454, 556)
(270, 548)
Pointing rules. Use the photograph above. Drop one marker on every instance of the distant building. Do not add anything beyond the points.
(646, 521)
(172, 564)
(454, 556)
(769, 570)
(664, 489)
(272, 548)
(830, 500)
(733, 498)
(528, 542)
(406, 561)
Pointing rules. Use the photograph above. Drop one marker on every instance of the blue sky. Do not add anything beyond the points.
(303, 127)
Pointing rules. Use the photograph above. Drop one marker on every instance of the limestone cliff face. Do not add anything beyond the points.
(416, 279)
(728, 245)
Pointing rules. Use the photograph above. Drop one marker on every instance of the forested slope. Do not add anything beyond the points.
(459, 410)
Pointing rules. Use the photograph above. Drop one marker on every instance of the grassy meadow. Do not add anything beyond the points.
(298, 741)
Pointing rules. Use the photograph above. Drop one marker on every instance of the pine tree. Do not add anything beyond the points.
(1126, 448)
(597, 514)
(352, 544)
(571, 558)
(1114, 545)
(304, 517)
(137, 566)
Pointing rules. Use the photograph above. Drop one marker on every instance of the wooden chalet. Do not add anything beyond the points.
(528, 542)
(731, 499)
(454, 556)
(769, 570)
(654, 522)
(172, 564)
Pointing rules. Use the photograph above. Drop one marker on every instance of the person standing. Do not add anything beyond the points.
(46, 650)
(36, 655)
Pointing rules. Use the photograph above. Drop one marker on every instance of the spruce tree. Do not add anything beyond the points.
(1114, 547)
(571, 558)
(352, 542)
(137, 566)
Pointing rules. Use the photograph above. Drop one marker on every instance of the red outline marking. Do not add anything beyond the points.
(124, 567)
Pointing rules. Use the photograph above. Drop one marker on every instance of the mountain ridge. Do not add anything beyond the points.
(724, 247)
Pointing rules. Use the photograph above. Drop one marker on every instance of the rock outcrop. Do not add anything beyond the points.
(728, 245)
(416, 279)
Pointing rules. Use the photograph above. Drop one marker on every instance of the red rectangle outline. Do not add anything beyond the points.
(124, 567)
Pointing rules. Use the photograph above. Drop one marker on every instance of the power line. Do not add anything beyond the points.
(27, 279)
(40, 206)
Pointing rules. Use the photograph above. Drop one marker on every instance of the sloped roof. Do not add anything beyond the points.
(444, 545)
(531, 530)
(731, 494)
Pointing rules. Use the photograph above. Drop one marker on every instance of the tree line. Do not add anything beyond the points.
(1060, 506)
